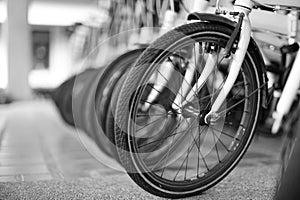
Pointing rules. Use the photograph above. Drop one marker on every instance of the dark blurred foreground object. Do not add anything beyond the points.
(288, 187)
(87, 100)
(5, 98)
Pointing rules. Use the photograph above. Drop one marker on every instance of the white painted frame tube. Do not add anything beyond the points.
(235, 65)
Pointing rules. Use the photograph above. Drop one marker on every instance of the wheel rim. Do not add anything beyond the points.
(161, 118)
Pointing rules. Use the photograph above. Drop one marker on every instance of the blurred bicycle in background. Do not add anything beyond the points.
(180, 113)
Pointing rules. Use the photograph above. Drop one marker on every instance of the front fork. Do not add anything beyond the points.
(212, 61)
(287, 96)
(235, 66)
(292, 84)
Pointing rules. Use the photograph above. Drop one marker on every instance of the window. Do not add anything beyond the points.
(41, 41)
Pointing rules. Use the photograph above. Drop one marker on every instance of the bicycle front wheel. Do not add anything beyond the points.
(162, 139)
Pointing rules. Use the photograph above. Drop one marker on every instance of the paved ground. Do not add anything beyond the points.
(42, 158)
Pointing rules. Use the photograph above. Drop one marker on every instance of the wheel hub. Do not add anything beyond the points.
(190, 111)
(202, 116)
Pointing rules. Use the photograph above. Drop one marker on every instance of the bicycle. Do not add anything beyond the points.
(188, 108)
(87, 100)
(289, 174)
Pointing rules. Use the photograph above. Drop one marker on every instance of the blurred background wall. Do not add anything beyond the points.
(43, 42)
(35, 41)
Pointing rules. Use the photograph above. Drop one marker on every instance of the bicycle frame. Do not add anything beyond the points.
(240, 6)
(173, 132)
(292, 84)
(245, 7)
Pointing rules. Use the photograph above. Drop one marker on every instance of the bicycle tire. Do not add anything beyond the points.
(89, 117)
(110, 118)
(130, 158)
(288, 179)
(62, 98)
(290, 135)
(107, 85)
(82, 88)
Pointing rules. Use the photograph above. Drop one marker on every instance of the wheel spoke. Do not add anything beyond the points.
(168, 81)
(216, 147)
(168, 98)
(188, 152)
(199, 152)
(153, 115)
(219, 140)
(236, 94)
(242, 100)
(224, 133)
(168, 153)
(167, 95)
(189, 128)
(183, 79)
(150, 123)
(177, 126)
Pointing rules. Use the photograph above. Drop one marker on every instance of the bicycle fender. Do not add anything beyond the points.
(141, 45)
(253, 47)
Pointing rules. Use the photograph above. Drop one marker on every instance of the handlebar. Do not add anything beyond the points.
(275, 6)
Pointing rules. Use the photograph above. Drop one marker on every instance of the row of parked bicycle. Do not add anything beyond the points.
(180, 113)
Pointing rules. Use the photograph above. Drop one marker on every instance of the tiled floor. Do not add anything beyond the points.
(37, 145)
(41, 157)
